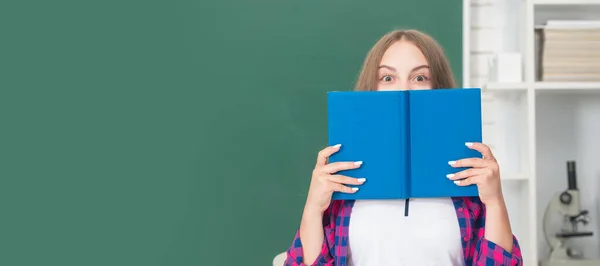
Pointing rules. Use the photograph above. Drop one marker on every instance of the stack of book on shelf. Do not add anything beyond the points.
(570, 51)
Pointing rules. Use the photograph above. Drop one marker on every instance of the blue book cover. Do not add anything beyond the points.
(405, 140)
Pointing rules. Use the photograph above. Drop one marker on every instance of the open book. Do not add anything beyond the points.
(405, 140)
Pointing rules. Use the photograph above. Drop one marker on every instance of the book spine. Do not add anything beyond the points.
(406, 156)
(407, 151)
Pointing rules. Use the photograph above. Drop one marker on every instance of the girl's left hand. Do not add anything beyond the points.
(483, 172)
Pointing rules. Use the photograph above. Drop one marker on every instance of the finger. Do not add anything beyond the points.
(324, 154)
(342, 179)
(339, 166)
(469, 162)
(341, 188)
(466, 173)
(482, 148)
(473, 180)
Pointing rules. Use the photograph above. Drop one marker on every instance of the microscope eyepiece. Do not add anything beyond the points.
(572, 175)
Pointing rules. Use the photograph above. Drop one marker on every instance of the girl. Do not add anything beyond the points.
(439, 231)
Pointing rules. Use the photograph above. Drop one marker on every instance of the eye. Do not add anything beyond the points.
(420, 78)
(387, 78)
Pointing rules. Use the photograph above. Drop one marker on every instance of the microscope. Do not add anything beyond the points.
(567, 204)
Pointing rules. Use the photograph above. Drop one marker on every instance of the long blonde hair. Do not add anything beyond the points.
(441, 73)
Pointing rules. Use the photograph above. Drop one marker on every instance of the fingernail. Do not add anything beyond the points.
(469, 144)
(362, 180)
(337, 145)
(358, 163)
(355, 188)
(457, 182)
(451, 162)
(450, 175)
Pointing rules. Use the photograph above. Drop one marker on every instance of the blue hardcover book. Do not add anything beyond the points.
(405, 140)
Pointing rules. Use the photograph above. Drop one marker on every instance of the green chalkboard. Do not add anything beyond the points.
(175, 132)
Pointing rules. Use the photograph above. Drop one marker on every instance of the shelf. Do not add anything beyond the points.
(515, 177)
(567, 87)
(566, 2)
(517, 86)
(544, 86)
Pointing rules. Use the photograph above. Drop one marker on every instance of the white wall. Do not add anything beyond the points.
(587, 145)
(556, 132)
(492, 32)
(494, 28)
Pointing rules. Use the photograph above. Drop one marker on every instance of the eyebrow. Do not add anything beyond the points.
(413, 70)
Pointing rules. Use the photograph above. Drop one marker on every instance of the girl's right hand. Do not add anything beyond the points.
(325, 180)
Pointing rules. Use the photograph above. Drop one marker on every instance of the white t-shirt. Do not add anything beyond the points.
(380, 234)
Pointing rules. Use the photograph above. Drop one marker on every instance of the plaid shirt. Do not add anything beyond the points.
(471, 217)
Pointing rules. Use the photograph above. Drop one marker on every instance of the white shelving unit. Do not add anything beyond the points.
(565, 2)
(537, 126)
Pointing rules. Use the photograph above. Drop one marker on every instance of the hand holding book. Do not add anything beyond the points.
(483, 172)
(325, 180)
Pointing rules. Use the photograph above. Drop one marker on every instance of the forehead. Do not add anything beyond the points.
(403, 55)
